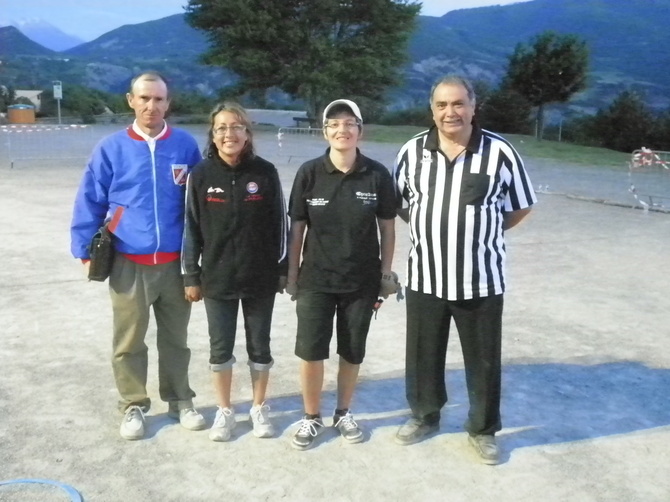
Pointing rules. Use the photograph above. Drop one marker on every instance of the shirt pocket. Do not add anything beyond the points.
(475, 188)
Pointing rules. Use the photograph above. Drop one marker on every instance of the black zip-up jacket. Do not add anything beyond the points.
(236, 229)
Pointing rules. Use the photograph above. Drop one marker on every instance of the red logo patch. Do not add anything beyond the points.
(179, 172)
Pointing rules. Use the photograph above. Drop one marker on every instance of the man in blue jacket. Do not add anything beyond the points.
(138, 176)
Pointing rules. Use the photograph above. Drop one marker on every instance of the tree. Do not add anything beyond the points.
(117, 103)
(505, 110)
(661, 132)
(22, 100)
(628, 124)
(316, 50)
(549, 70)
(188, 103)
(79, 101)
(83, 102)
(7, 97)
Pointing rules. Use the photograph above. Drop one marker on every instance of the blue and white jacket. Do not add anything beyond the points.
(147, 178)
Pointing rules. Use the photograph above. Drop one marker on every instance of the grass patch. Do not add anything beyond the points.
(527, 146)
(265, 128)
(390, 134)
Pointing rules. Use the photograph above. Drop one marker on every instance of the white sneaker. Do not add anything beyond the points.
(189, 418)
(260, 421)
(132, 426)
(223, 426)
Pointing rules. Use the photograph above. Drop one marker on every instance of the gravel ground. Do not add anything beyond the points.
(585, 376)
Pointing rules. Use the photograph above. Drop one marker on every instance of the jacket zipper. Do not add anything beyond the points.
(152, 149)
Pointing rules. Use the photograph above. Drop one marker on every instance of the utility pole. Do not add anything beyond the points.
(58, 95)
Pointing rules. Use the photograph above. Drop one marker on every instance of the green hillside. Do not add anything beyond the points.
(166, 38)
(628, 40)
(13, 42)
(629, 45)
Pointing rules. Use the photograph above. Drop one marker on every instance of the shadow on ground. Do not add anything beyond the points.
(542, 403)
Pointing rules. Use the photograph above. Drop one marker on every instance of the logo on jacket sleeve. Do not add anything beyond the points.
(179, 172)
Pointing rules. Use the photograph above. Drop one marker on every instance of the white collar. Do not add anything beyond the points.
(145, 136)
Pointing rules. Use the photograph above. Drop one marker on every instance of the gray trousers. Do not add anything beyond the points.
(134, 289)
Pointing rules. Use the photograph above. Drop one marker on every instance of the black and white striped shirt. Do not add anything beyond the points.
(456, 212)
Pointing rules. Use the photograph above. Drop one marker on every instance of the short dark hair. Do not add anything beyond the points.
(453, 79)
(340, 108)
(151, 76)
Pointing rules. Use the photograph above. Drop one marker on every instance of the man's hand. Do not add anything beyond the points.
(292, 289)
(282, 284)
(192, 293)
(389, 285)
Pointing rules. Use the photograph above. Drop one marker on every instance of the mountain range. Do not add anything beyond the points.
(46, 34)
(628, 41)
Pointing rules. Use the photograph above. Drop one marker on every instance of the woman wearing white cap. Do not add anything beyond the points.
(342, 209)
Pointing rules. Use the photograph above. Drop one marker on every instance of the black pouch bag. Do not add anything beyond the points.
(101, 250)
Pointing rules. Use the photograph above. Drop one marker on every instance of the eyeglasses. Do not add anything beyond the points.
(335, 125)
(221, 131)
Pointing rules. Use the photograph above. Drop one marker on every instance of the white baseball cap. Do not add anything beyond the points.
(346, 102)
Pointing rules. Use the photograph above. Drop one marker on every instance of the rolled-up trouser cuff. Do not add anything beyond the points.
(261, 366)
(223, 366)
(176, 406)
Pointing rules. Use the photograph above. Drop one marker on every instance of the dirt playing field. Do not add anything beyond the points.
(586, 368)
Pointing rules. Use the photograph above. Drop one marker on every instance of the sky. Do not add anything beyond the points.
(88, 19)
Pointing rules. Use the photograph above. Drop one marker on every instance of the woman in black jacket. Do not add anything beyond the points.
(234, 251)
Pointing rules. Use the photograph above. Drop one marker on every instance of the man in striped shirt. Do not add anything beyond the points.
(462, 187)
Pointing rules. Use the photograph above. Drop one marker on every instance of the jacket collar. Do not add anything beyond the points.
(136, 133)
(433, 138)
(360, 164)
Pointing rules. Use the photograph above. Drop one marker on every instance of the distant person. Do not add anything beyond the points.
(341, 200)
(235, 253)
(463, 187)
(139, 175)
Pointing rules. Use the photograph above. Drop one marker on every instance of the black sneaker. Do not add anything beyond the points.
(348, 428)
(486, 448)
(415, 430)
(309, 429)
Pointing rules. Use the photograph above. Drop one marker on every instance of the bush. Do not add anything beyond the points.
(420, 116)
(505, 111)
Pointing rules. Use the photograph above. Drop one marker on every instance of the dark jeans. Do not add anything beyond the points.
(479, 325)
(222, 321)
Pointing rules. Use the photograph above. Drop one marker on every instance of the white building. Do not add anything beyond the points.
(35, 97)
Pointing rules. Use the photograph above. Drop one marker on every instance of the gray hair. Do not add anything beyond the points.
(453, 79)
